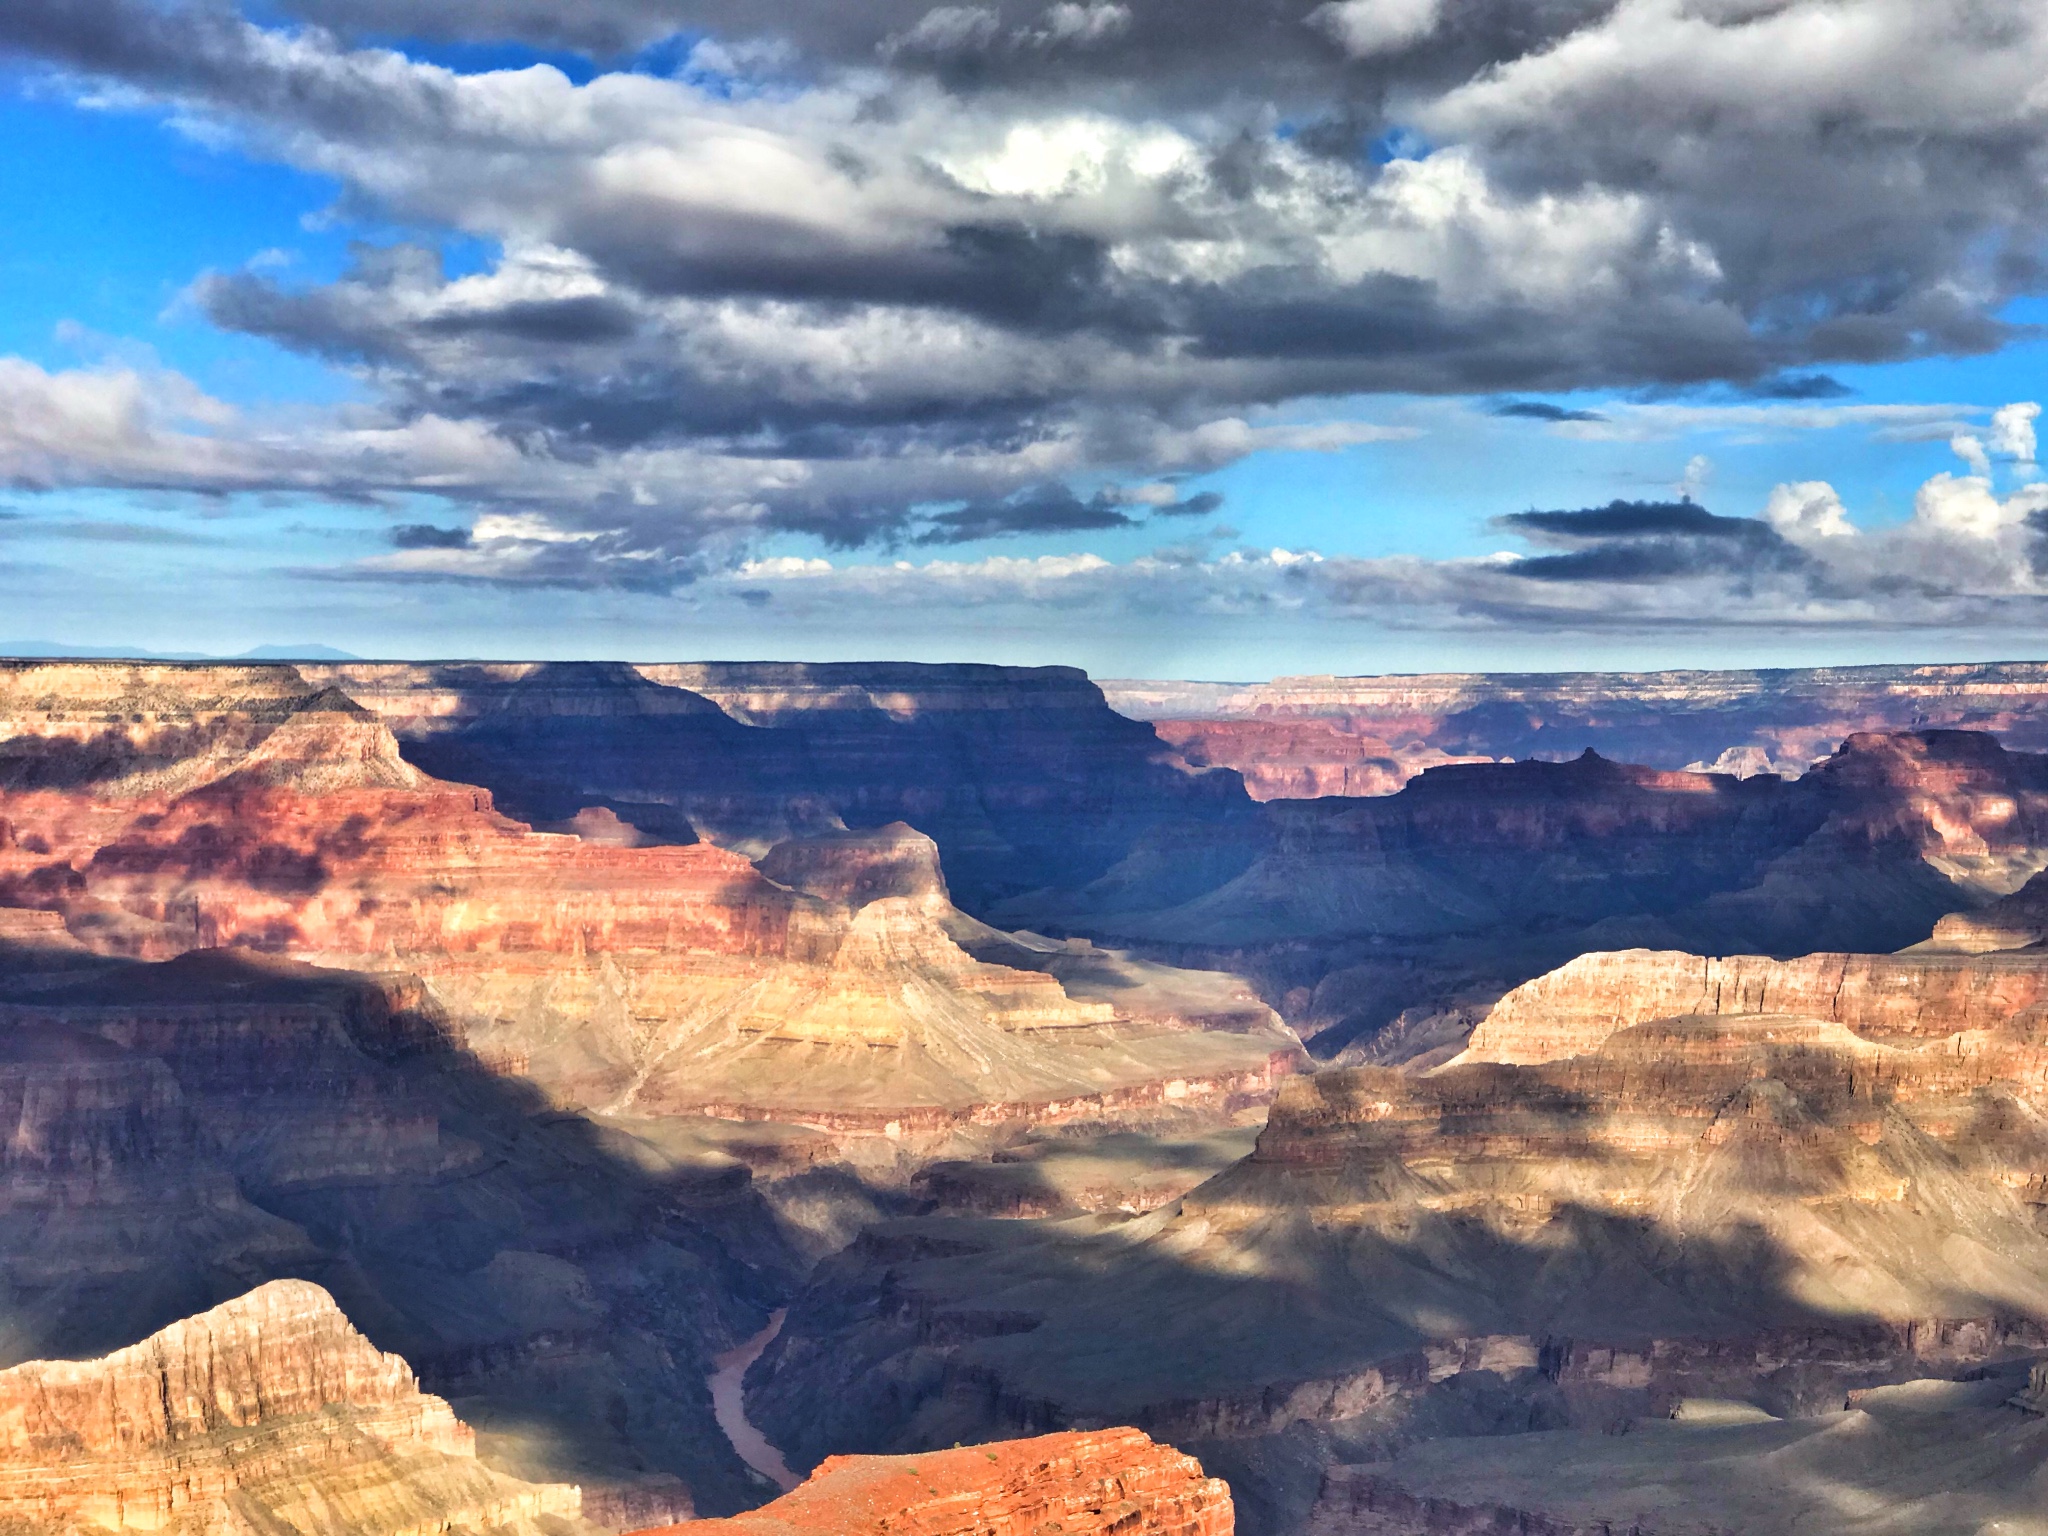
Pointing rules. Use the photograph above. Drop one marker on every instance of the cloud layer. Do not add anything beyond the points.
(896, 274)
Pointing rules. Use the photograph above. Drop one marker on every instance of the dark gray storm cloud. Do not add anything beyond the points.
(1543, 410)
(825, 267)
(1644, 541)
(427, 536)
(1043, 509)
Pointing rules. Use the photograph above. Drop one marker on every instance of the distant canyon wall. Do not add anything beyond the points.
(1301, 737)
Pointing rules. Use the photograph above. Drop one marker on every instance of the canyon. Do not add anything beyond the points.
(1649, 1179)
(887, 1068)
(828, 985)
(1299, 737)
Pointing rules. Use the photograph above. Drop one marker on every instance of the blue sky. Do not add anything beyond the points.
(263, 416)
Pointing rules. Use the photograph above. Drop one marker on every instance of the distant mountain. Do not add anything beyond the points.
(38, 649)
(295, 653)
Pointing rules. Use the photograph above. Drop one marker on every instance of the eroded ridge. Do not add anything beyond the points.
(269, 1412)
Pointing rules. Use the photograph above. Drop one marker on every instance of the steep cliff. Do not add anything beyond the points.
(1094, 1484)
(1650, 1180)
(192, 1128)
(1896, 999)
(644, 979)
(269, 1412)
(1302, 735)
(1477, 876)
(1022, 775)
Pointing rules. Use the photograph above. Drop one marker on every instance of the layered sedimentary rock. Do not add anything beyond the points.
(1094, 1484)
(1475, 877)
(191, 1128)
(269, 1412)
(1289, 759)
(1895, 999)
(643, 979)
(1651, 1179)
(1022, 775)
(1302, 735)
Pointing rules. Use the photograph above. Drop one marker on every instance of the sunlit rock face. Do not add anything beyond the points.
(268, 1412)
(1303, 759)
(1093, 1484)
(1653, 1177)
(1985, 1001)
(1303, 736)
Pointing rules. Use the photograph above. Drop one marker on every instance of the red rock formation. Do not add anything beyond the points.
(1091, 1483)
(666, 979)
(269, 1412)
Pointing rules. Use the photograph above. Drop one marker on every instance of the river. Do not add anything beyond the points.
(729, 1403)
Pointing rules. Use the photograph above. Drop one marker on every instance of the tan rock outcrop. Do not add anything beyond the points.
(1902, 998)
(269, 1413)
(1109, 1482)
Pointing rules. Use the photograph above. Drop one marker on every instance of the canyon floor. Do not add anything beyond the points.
(567, 1098)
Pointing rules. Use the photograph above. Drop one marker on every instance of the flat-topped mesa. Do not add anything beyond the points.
(855, 868)
(269, 1406)
(1023, 775)
(1106, 1482)
(1914, 997)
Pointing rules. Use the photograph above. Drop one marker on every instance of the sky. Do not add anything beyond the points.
(1195, 338)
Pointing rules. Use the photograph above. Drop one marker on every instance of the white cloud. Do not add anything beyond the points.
(1366, 27)
(1969, 447)
(2012, 430)
(948, 29)
(1080, 25)
(1808, 512)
